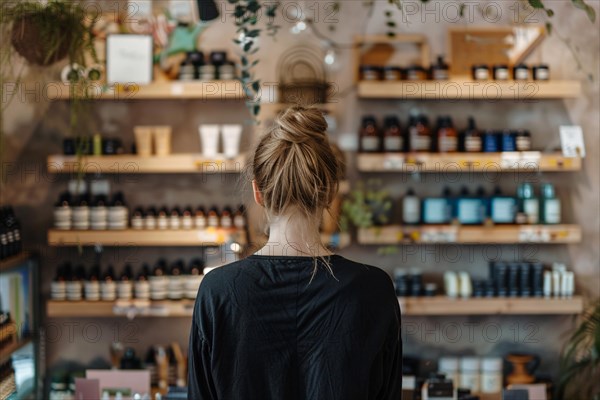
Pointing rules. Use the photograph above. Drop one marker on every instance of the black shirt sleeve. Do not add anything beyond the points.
(200, 382)
(393, 367)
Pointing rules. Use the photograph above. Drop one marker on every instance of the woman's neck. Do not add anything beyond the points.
(293, 236)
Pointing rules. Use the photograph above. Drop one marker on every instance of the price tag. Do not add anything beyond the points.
(510, 160)
(393, 163)
(571, 140)
(534, 235)
(176, 89)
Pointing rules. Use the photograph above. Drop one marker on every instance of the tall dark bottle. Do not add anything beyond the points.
(370, 139)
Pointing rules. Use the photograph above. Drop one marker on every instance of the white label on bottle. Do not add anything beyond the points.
(469, 211)
(447, 143)
(523, 143)
(440, 74)
(491, 382)
(239, 221)
(369, 143)
(473, 144)
(420, 142)
(531, 208)
(435, 211)
(226, 222)
(503, 210)
(201, 222)
(481, 74)
(470, 380)
(392, 143)
(571, 140)
(213, 220)
(521, 73)
(552, 211)
(411, 210)
(501, 74)
(542, 74)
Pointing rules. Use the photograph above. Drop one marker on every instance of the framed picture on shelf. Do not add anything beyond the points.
(129, 59)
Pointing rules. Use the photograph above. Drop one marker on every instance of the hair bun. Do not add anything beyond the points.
(299, 124)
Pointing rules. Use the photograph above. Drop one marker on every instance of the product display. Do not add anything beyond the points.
(10, 233)
(173, 281)
(414, 72)
(501, 72)
(196, 67)
(419, 138)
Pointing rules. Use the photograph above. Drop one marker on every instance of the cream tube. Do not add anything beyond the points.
(231, 140)
(209, 138)
(162, 140)
(143, 140)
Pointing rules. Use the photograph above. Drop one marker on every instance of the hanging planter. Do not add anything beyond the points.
(30, 41)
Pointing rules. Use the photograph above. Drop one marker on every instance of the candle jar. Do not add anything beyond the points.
(416, 73)
(523, 140)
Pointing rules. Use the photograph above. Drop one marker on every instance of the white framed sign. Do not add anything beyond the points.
(571, 140)
(129, 59)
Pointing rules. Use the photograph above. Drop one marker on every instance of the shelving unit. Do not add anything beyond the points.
(498, 234)
(6, 352)
(442, 305)
(459, 89)
(168, 90)
(530, 161)
(132, 237)
(127, 308)
(417, 306)
(14, 261)
(132, 164)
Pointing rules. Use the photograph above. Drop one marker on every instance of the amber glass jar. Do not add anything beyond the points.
(447, 138)
(419, 134)
(370, 140)
(393, 141)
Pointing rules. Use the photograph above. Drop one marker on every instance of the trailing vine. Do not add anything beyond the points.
(247, 14)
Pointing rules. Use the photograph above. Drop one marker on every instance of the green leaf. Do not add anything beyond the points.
(388, 14)
(256, 86)
(244, 60)
(536, 3)
(248, 46)
(391, 24)
(391, 34)
(591, 13)
(253, 33)
(549, 12)
(549, 28)
(461, 10)
(256, 109)
(253, 6)
(239, 11)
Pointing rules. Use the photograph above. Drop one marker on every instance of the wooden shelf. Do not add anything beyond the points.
(14, 261)
(438, 305)
(443, 305)
(132, 164)
(531, 161)
(498, 234)
(337, 240)
(6, 352)
(469, 90)
(126, 308)
(209, 90)
(133, 237)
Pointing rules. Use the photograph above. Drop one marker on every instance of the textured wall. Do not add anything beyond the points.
(35, 129)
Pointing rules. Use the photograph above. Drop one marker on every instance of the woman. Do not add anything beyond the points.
(294, 321)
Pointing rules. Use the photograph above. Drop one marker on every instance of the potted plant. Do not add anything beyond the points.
(367, 205)
(580, 359)
(46, 33)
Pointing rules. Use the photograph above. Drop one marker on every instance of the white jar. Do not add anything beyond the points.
(491, 375)
(469, 373)
(449, 367)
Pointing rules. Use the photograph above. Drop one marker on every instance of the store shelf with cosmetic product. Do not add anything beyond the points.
(151, 153)
(89, 220)
(477, 219)
(166, 290)
(512, 288)
(202, 78)
(423, 82)
(420, 148)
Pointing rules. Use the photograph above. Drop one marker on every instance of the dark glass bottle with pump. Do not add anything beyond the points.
(439, 71)
(471, 139)
(393, 141)
(437, 210)
(447, 139)
(370, 139)
(419, 135)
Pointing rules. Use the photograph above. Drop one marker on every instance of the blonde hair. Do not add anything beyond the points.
(295, 167)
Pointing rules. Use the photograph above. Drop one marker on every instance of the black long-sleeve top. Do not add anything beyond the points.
(263, 330)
